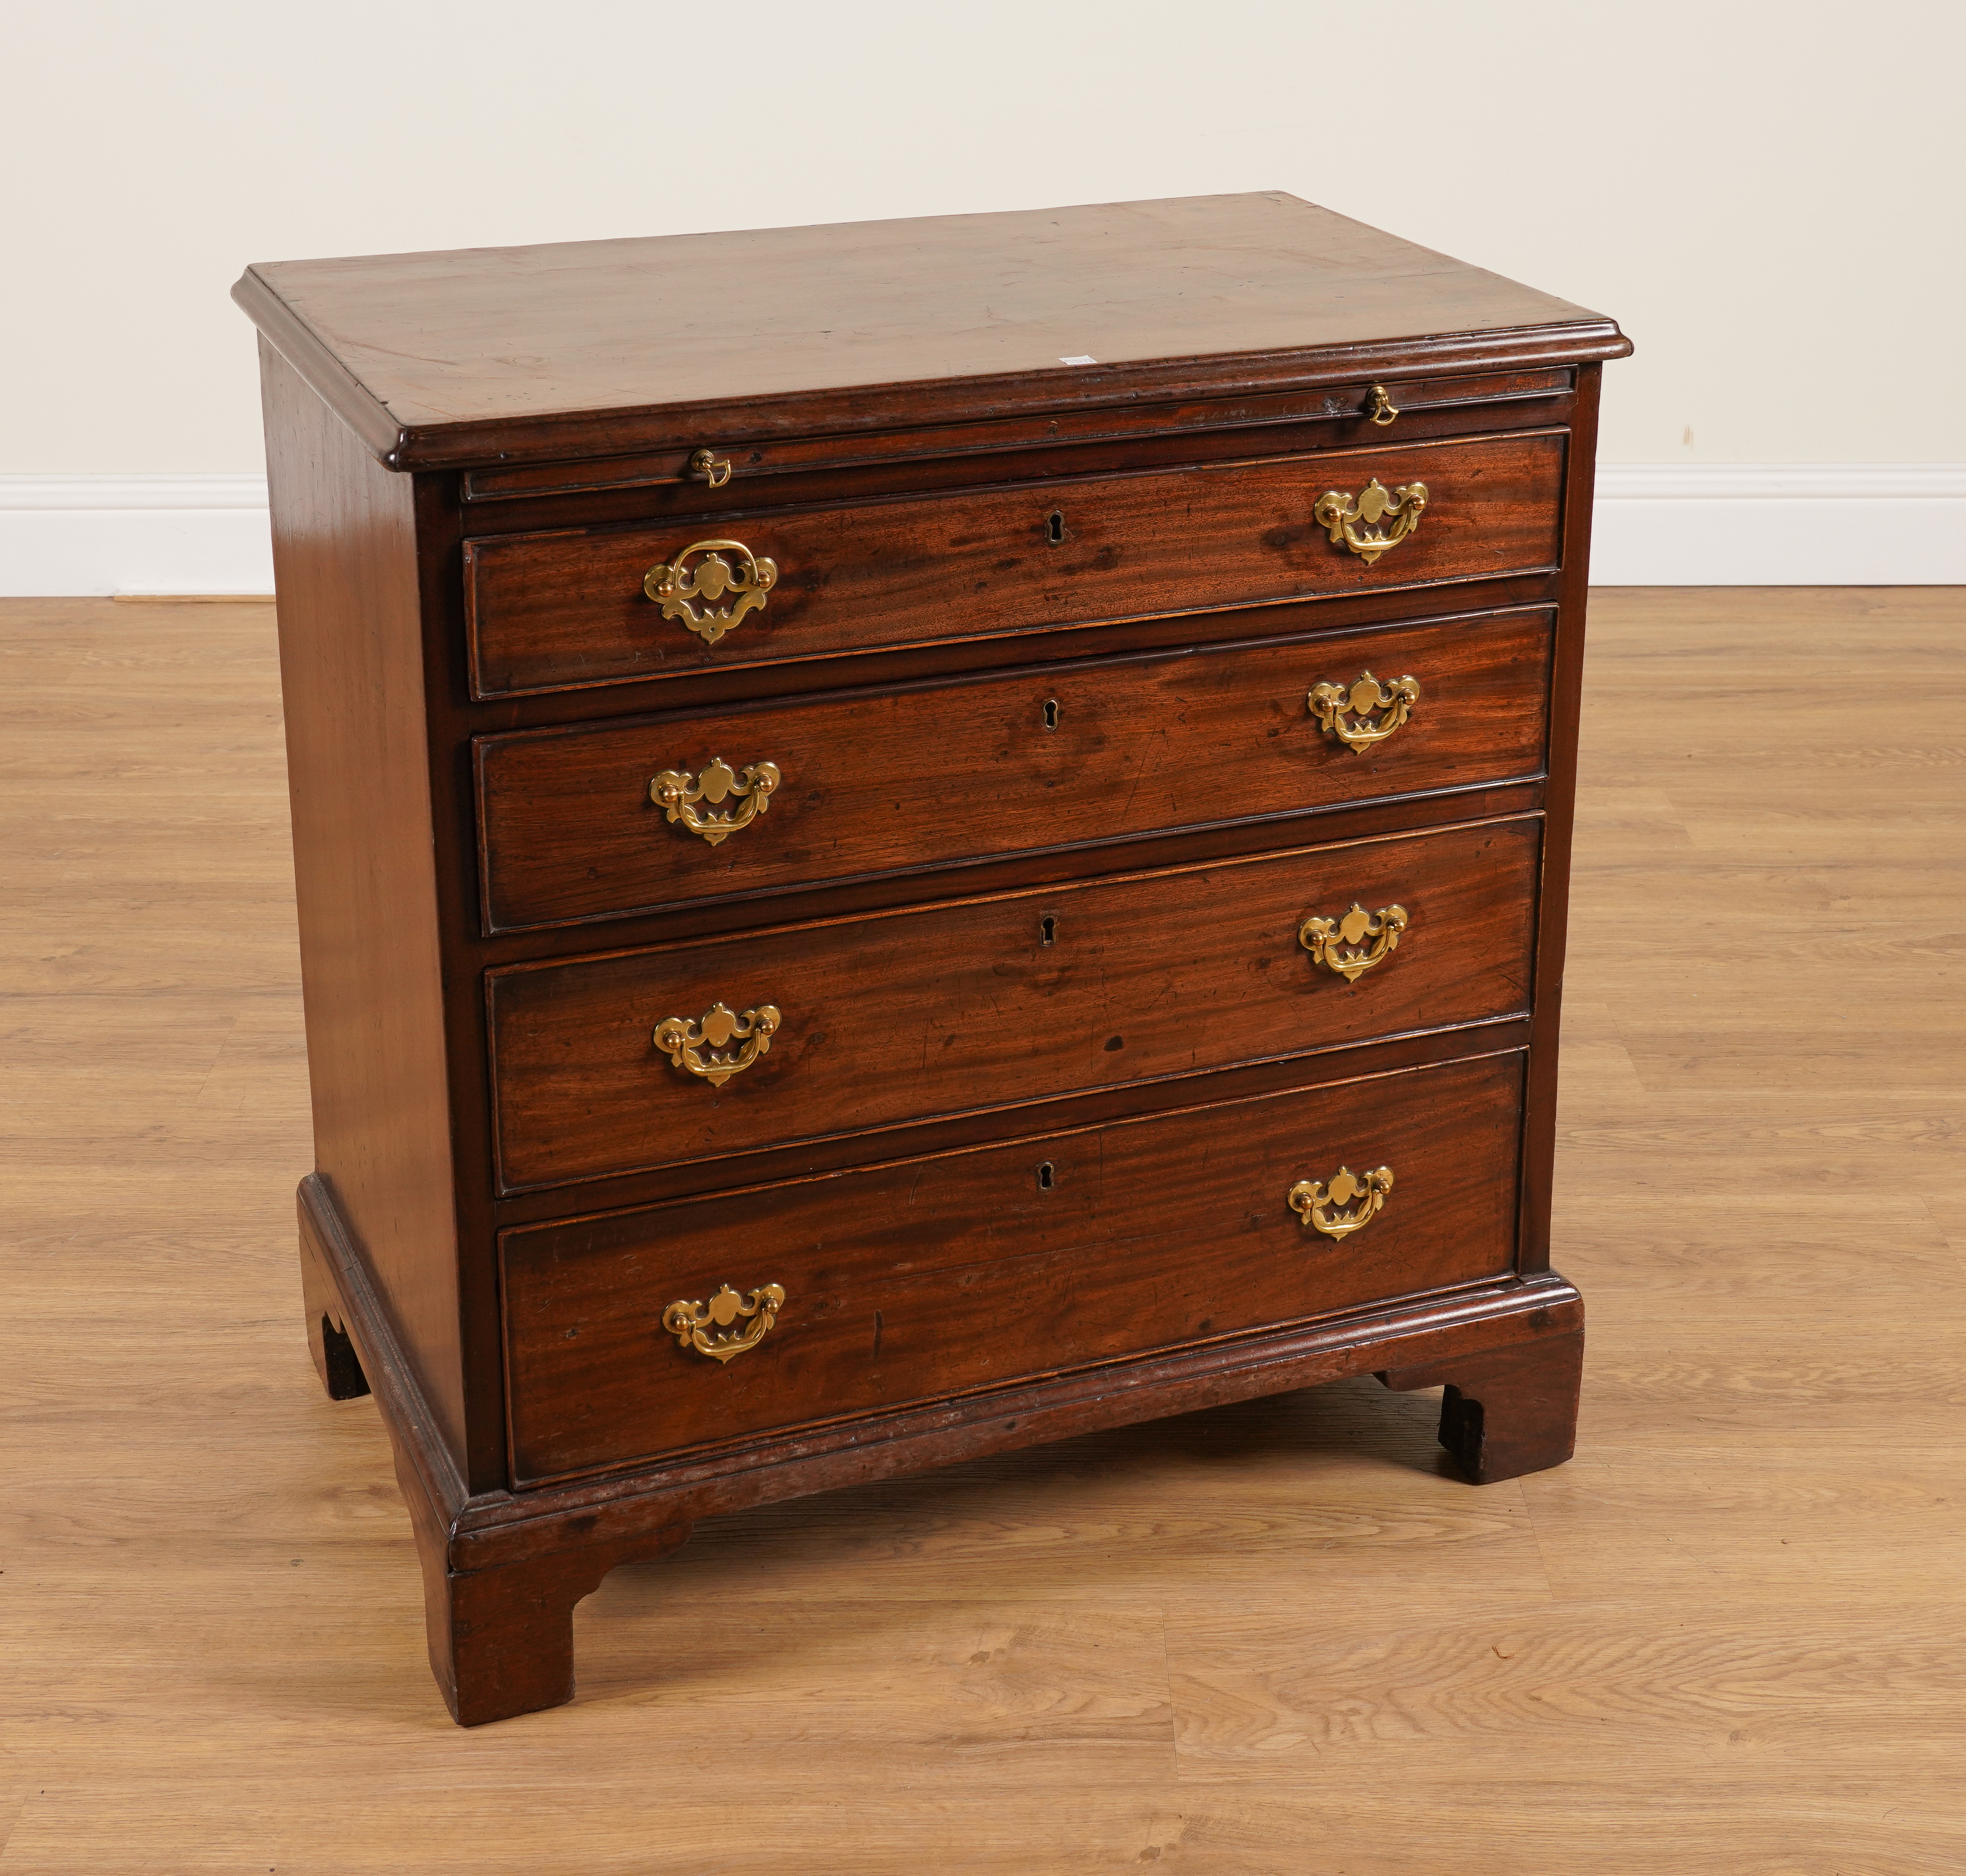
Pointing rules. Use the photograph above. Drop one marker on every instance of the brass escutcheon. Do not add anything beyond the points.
(692, 1324)
(1339, 944)
(1329, 704)
(698, 1048)
(678, 588)
(1347, 1204)
(1382, 409)
(678, 793)
(1356, 524)
(706, 465)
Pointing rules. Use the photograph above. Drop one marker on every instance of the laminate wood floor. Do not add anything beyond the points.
(1729, 1637)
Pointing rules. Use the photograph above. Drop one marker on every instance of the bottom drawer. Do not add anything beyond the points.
(931, 1277)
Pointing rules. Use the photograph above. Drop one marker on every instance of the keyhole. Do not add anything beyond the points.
(1047, 930)
(1054, 527)
(1044, 1175)
(1051, 712)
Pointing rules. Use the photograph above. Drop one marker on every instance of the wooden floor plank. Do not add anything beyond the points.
(1281, 1636)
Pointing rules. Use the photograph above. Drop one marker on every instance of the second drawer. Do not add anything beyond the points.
(621, 1064)
(923, 776)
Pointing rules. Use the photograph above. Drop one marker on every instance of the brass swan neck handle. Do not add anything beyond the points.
(1348, 1203)
(707, 1327)
(1355, 523)
(1352, 945)
(681, 794)
(702, 1048)
(695, 595)
(1376, 709)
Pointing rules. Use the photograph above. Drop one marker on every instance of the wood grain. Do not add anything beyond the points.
(904, 779)
(594, 348)
(1066, 1249)
(1721, 1642)
(1205, 428)
(958, 1008)
(345, 560)
(567, 610)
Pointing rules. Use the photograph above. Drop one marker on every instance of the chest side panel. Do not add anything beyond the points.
(351, 669)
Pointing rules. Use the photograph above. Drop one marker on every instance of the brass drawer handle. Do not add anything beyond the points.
(1347, 1204)
(1329, 704)
(1382, 409)
(676, 588)
(1339, 944)
(677, 793)
(1356, 524)
(692, 1324)
(699, 1048)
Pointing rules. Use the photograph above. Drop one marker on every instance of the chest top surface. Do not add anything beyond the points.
(505, 354)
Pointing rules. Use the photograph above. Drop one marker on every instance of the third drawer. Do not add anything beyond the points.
(922, 777)
(618, 1064)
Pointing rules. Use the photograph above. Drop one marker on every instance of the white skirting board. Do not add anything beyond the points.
(1658, 524)
(73, 535)
(1765, 524)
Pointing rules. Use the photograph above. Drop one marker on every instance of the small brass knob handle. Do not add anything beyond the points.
(1376, 709)
(692, 593)
(703, 1047)
(1381, 408)
(1355, 523)
(679, 793)
(706, 465)
(1351, 945)
(1349, 1203)
(706, 1327)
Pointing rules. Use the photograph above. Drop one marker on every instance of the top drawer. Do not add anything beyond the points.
(587, 607)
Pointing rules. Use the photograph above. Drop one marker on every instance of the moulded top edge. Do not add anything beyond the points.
(574, 436)
(491, 356)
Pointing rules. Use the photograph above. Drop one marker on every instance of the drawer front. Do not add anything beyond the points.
(1491, 400)
(916, 777)
(567, 610)
(1028, 997)
(933, 1276)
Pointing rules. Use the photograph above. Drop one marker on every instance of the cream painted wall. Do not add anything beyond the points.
(1766, 195)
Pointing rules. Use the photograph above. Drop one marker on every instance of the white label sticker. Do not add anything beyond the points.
(1088, 359)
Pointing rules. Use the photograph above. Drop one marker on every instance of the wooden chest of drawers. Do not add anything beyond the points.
(912, 838)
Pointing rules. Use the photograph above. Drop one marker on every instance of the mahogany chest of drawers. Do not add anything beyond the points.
(914, 838)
